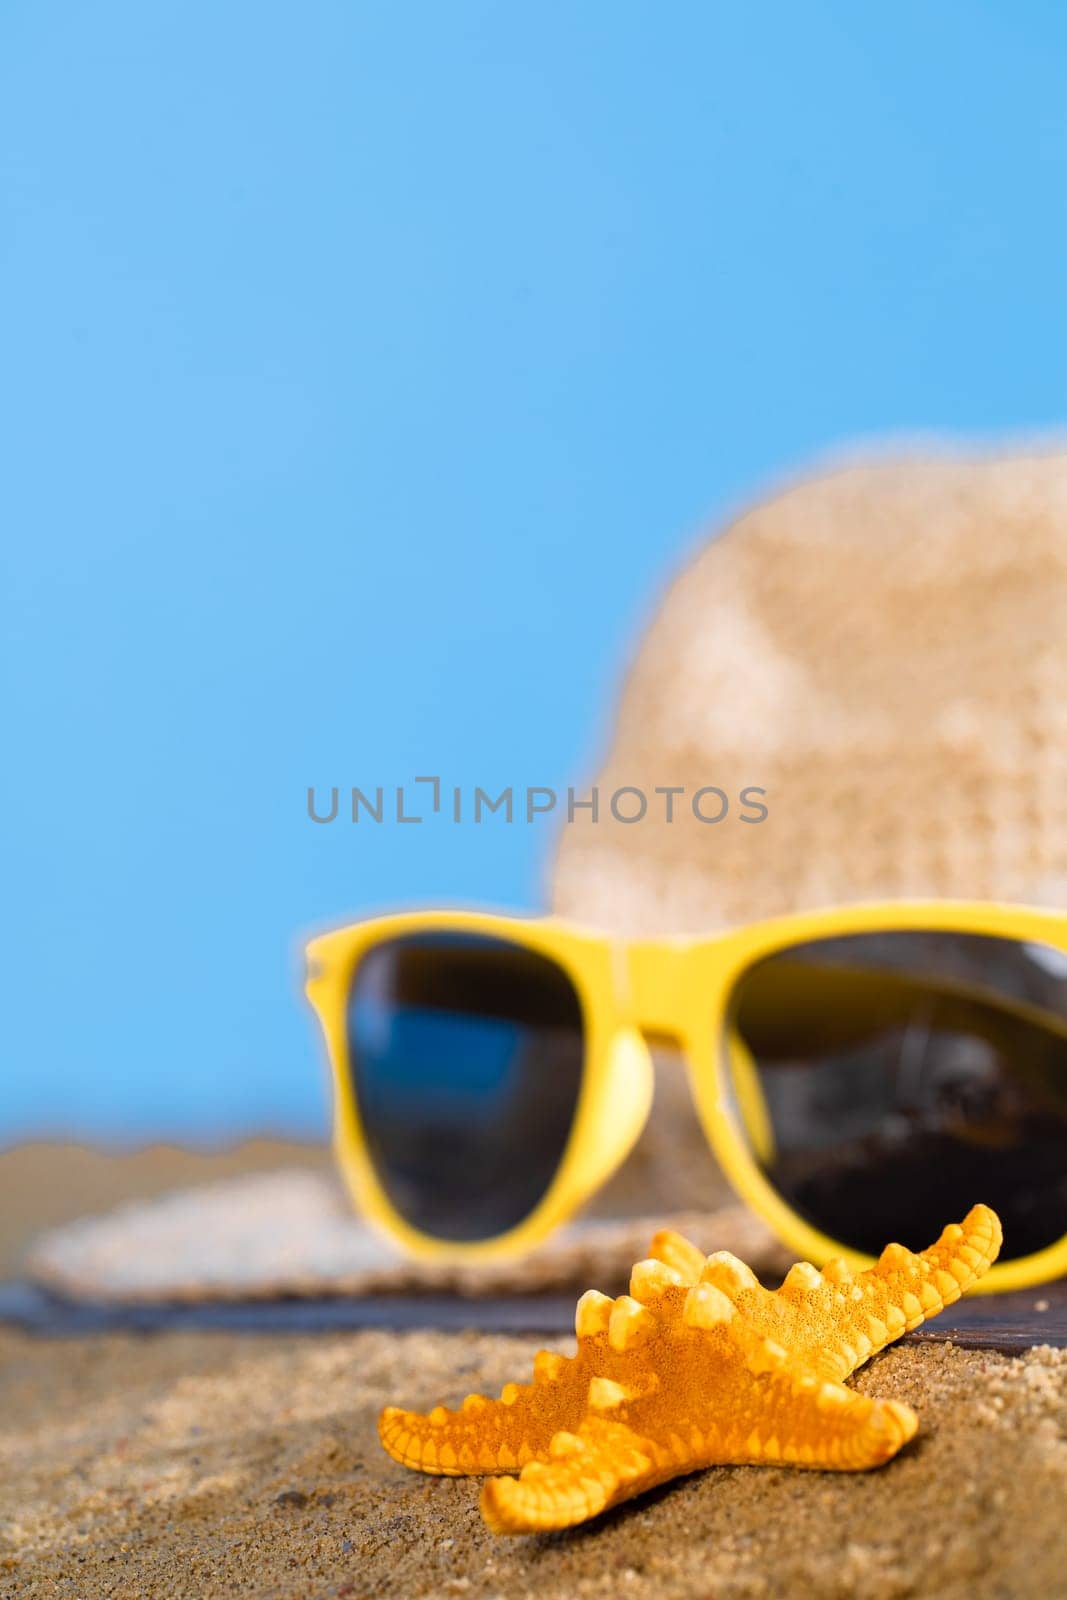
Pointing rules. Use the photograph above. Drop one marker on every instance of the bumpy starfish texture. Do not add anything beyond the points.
(697, 1366)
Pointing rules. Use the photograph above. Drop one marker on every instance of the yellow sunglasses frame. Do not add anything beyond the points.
(632, 992)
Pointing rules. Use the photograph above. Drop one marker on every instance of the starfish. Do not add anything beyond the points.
(697, 1366)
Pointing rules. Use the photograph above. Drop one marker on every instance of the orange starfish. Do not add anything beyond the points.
(697, 1366)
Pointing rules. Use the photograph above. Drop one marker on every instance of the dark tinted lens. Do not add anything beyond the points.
(901, 1077)
(467, 1058)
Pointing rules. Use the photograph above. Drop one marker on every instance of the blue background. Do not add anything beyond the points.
(367, 370)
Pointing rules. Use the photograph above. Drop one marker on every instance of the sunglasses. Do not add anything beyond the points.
(860, 1073)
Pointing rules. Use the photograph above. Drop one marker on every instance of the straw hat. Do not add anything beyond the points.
(883, 650)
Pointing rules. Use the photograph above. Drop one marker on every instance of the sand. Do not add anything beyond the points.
(208, 1465)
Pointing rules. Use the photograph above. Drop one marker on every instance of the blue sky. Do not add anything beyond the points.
(367, 370)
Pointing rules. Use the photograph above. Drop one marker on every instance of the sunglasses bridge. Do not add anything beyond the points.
(657, 983)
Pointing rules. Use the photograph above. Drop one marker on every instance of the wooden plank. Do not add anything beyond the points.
(1006, 1322)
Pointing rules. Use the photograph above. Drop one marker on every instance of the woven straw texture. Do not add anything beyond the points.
(293, 1234)
(884, 651)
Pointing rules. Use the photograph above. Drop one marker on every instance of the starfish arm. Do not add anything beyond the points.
(900, 1291)
(487, 1435)
(793, 1417)
(833, 1320)
(583, 1474)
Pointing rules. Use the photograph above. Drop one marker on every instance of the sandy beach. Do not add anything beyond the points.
(208, 1466)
